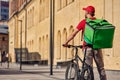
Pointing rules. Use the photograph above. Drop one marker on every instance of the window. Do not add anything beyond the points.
(28, 20)
(64, 50)
(23, 24)
(32, 45)
(32, 16)
(4, 10)
(40, 45)
(59, 45)
(40, 10)
(4, 17)
(40, 1)
(69, 1)
(58, 4)
(3, 38)
(63, 3)
(43, 9)
(47, 8)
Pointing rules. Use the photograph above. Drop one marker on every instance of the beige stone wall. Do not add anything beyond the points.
(11, 38)
(36, 26)
(112, 56)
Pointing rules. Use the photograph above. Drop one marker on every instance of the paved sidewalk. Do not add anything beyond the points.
(30, 72)
(35, 72)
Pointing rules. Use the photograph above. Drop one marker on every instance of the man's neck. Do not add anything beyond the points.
(89, 16)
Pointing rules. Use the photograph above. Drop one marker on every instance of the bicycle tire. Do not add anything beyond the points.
(87, 74)
(69, 75)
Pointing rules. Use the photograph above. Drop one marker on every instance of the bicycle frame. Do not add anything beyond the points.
(77, 58)
(84, 67)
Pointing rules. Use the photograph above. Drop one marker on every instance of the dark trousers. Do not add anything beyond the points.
(96, 54)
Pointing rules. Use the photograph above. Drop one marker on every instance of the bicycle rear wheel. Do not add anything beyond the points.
(87, 74)
(71, 72)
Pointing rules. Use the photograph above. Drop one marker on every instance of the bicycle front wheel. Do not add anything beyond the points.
(71, 72)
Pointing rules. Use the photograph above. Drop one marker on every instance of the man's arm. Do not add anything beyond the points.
(70, 37)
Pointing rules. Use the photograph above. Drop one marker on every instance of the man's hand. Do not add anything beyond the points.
(65, 45)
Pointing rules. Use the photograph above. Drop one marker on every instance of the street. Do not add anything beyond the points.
(35, 72)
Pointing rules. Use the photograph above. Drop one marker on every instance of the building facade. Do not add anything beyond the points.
(34, 18)
(3, 41)
(4, 9)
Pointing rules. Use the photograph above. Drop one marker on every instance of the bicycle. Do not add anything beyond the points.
(73, 71)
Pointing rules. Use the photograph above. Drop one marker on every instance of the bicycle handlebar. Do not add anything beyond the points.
(80, 46)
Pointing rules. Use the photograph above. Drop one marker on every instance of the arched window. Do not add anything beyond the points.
(59, 4)
(70, 51)
(46, 48)
(32, 16)
(47, 8)
(40, 10)
(32, 45)
(64, 50)
(64, 3)
(59, 45)
(40, 45)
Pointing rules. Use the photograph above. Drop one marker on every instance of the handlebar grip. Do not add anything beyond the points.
(80, 46)
(69, 46)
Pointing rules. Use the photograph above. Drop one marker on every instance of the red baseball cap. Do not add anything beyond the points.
(89, 9)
